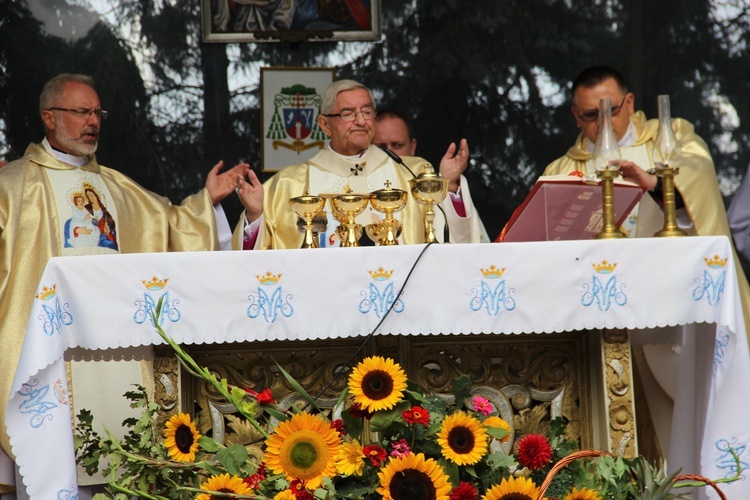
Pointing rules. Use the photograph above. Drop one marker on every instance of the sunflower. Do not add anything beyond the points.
(500, 424)
(463, 439)
(377, 383)
(515, 488)
(181, 438)
(350, 459)
(224, 484)
(413, 477)
(285, 495)
(582, 494)
(304, 447)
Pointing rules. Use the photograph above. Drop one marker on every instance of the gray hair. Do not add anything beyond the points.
(328, 101)
(54, 88)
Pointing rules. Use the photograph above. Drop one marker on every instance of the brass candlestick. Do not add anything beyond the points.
(346, 207)
(670, 210)
(428, 188)
(609, 230)
(387, 201)
(307, 207)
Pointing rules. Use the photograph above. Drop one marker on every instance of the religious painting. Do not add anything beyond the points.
(290, 105)
(290, 20)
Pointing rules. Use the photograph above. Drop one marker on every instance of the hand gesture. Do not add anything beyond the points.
(219, 186)
(250, 192)
(453, 164)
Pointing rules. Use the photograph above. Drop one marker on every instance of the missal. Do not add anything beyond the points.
(567, 207)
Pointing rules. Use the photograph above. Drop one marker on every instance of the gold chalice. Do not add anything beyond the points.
(378, 232)
(346, 207)
(428, 188)
(306, 207)
(388, 201)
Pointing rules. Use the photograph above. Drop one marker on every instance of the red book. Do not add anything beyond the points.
(567, 207)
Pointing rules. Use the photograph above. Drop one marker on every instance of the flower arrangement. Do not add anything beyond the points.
(384, 439)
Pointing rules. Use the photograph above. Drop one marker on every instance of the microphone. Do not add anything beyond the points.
(393, 156)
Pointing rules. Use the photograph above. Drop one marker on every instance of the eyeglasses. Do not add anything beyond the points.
(84, 112)
(349, 115)
(593, 115)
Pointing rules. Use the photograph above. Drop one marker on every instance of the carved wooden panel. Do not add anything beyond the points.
(530, 378)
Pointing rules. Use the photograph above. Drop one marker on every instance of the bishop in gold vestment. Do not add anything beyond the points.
(350, 163)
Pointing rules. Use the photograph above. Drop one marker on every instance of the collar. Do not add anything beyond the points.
(348, 166)
(77, 161)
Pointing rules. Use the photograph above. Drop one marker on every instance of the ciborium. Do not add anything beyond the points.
(346, 207)
(428, 188)
(387, 201)
(306, 207)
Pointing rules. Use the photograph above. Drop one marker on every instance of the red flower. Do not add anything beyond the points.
(417, 415)
(464, 491)
(356, 411)
(375, 453)
(338, 424)
(254, 480)
(264, 397)
(534, 451)
(300, 491)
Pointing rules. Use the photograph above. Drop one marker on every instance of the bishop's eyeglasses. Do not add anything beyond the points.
(349, 115)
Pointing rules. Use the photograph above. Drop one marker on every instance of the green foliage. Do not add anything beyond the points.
(126, 469)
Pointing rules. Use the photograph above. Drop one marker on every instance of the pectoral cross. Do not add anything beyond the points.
(356, 169)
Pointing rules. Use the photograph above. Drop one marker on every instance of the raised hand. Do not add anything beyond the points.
(250, 191)
(219, 186)
(453, 164)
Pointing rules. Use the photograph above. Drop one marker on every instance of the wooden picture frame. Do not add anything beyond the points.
(290, 105)
(290, 21)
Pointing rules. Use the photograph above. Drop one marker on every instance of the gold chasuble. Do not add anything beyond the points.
(696, 182)
(330, 173)
(30, 233)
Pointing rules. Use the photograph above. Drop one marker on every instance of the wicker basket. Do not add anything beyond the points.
(597, 453)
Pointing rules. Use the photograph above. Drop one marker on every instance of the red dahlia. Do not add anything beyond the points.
(464, 491)
(534, 451)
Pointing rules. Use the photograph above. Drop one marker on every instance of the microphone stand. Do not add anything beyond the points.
(397, 159)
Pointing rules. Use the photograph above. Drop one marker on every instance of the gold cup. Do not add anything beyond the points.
(346, 207)
(306, 207)
(387, 201)
(429, 188)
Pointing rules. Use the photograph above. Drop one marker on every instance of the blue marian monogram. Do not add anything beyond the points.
(711, 284)
(270, 305)
(71, 494)
(380, 295)
(604, 289)
(726, 461)
(34, 403)
(722, 340)
(56, 313)
(148, 304)
(492, 298)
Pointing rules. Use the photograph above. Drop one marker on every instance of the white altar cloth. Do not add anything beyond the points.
(104, 302)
